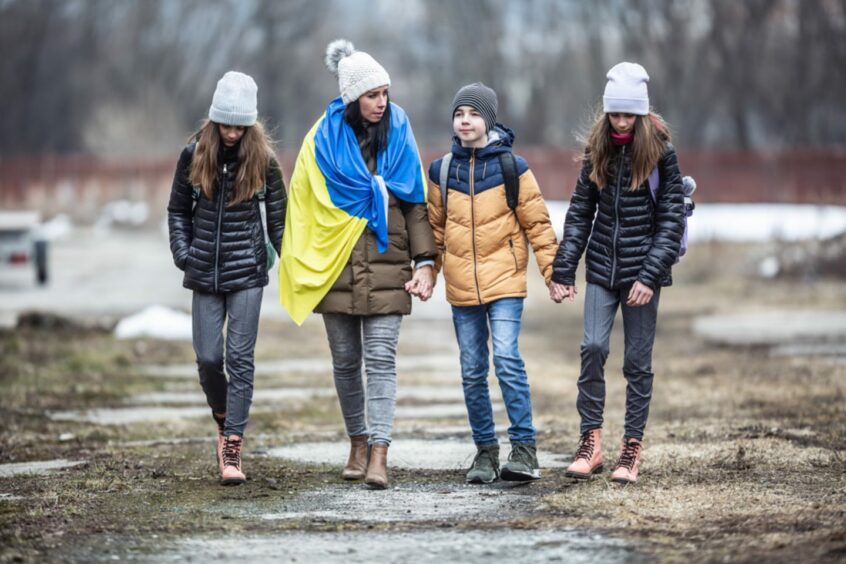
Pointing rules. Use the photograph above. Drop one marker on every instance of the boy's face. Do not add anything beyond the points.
(469, 125)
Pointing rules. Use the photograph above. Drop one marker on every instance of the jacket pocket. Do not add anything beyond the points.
(513, 254)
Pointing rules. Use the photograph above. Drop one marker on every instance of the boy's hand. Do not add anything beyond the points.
(559, 292)
(421, 283)
(639, 295)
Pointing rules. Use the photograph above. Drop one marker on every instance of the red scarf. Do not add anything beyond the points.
(621, 138)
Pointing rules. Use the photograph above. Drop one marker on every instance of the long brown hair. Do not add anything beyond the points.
(651, 136)
(254, 154)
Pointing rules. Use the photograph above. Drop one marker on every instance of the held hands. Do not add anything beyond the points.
(559, 292)
(421, 283)
(639, 295)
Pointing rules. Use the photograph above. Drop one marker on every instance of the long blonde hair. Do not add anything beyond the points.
(254, 154)
(651, 136)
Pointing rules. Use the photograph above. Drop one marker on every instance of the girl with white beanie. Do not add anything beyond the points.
(357, 246)
(226, 180)
(628, 212)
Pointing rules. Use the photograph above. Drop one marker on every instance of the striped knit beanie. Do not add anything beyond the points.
(480, 97)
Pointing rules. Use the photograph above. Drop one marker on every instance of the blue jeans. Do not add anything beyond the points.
(472, 330)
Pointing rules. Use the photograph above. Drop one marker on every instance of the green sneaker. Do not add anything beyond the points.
(522, 464)
(485, 468)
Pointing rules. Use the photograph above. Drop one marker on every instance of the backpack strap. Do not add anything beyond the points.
(512, 181)
(444, 179)
(654, 183)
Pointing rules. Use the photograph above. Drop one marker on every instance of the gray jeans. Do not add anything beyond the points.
(639, 329)
(379, 335)
(209, 312)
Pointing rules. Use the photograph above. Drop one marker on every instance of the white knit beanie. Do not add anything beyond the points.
(626, 90)
(235, 100)
(357, 71)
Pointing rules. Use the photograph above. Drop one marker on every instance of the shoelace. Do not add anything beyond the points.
(522, 454)
(232, 453)
(629, 455)
(482, 454)
(586, 446)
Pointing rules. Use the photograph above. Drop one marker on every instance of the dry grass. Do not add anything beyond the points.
(744, 460)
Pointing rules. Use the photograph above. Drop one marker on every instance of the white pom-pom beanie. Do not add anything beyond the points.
(626, 90)
(235, 100)
(357, 71)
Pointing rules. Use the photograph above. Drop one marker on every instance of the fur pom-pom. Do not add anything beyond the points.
(336, 51)
(689, 185)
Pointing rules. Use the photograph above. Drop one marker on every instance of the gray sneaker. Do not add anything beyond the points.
(522, 464)
(485, 468)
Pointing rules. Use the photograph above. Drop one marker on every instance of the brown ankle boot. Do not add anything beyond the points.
(377, 467)
(588, 459)
(232, 474)
(221, 438)
(357, 462)
(627, 466)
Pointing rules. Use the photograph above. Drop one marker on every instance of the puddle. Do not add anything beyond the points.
(835, 352)
(412, 453)
(43, 467)
(438, 411)
(129, 415)
(404, 393)
(427, 546)
(259, 396)
(440, 363)
(772, 327)
(405, 504)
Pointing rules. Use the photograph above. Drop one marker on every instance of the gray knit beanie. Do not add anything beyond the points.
(626, 90)
(235, 100)
(480, 97)
(357, 71)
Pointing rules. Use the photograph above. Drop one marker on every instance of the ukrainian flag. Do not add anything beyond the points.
(333, 197)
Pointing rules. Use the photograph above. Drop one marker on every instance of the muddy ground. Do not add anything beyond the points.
(745, 451)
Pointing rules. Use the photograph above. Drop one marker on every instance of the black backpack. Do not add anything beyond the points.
(509, 174)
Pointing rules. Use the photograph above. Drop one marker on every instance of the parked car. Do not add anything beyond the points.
(21, 244)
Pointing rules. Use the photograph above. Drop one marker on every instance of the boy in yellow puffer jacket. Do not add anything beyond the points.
(485, 208)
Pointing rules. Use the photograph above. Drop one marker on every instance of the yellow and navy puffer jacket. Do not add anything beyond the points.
(483, 245)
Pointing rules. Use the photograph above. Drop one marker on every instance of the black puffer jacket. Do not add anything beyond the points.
(632, 237)
(221, 248)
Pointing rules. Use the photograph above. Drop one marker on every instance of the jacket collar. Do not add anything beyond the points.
(500, 140)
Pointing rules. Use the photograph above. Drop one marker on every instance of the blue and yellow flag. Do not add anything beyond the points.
(333, 197)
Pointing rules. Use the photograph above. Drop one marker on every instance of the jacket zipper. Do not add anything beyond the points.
(473, 224)
(616, 217)
(513, 254)
(220, 188)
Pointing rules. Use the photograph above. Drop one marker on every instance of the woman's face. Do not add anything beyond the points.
(373, 104)
(230, 134)
(622, 123)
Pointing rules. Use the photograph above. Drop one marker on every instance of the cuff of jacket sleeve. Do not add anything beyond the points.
(424, 262)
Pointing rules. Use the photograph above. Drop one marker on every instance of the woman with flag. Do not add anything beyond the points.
(356, 220)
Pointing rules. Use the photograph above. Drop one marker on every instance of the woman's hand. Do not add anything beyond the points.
(639, 295)
(421, 283)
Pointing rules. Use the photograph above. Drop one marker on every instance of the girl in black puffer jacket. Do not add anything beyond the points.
(632, 239)
(218, 239)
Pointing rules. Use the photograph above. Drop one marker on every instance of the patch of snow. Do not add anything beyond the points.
(157, 322)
